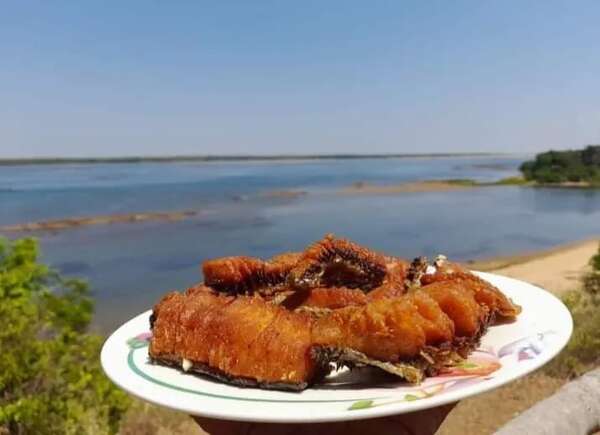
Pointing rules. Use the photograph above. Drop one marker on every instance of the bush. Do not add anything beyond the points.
(511, 181)
(561, 166)
(595, 262)
(50, 375)
(583, 350)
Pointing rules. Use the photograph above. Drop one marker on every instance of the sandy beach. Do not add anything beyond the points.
(557, 269)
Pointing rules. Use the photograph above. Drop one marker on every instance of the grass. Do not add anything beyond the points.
(519, 181)
(461, 182)
(582, 353)
(512, 181)
(145, 419)
(509, 181)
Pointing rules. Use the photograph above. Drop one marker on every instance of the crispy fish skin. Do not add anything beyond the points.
(337, 262)
(386, 291)
(339, 297)
(387, 329)
(247, 275)
(396, 270)
(284, 323)
(247, 341)
(458, 302)
(333, 262)
(237, 338)
(484, 292)
(326, 297)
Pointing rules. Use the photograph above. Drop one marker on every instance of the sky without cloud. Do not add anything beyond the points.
(297, 77)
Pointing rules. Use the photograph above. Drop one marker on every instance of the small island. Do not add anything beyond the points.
(577, 168)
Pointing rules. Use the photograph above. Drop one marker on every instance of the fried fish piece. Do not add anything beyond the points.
(326, 298)
(396, 270)
(247, 275)
(484, 292)
(333, 262)
(339, 297)
(330, 262)
(286, 322)
(386, 291)
(245, 340)
(387, 329)
(458, 302)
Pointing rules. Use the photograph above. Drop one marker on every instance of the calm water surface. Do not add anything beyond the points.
(130, 265)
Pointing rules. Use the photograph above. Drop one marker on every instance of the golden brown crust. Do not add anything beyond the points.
(282, 323)
(248, 339)
(247, 275)
(484, 292)
(387, 329)
(243, 337)
(333, 262)
(326, 297)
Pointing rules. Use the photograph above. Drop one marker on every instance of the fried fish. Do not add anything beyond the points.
(287, 322)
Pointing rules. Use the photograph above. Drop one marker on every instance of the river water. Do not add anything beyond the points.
(130, 265)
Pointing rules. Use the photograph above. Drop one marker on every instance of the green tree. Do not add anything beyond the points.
(50, 375)
(562, 166)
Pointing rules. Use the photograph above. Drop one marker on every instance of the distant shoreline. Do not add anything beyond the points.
(230, 158)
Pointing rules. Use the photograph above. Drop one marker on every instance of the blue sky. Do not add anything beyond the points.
(130, 78)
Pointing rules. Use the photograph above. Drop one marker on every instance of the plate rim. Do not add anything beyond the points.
(357, 414)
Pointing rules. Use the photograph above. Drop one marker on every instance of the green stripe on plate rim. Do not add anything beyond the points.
(138, 371)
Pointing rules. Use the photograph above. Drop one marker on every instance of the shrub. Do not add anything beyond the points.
(560, 166)
(50, 375)
(595, 261)
(583, 350)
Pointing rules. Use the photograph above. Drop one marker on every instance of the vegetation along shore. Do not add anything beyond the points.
(560, 169)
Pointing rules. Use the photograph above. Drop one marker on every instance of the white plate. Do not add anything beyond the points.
(507, 352)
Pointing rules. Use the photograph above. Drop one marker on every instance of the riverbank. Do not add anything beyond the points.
(558, 269)
(361, 187)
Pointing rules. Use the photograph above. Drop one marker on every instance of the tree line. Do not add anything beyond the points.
(565, 166)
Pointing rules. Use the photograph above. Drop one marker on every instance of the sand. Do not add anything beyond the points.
(62, 224)
(285, 194)
(410, 187)
(557, 270)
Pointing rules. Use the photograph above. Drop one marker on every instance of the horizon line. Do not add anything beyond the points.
(235, 157)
